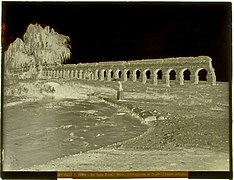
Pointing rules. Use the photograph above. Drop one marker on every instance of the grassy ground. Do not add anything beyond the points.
(199, 122)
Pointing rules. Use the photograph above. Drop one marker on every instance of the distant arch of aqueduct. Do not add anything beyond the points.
(145, 71)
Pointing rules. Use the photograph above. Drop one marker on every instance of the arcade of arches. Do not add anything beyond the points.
(163, 71)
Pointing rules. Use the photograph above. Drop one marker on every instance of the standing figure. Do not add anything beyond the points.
(120, 86)
(120, 94)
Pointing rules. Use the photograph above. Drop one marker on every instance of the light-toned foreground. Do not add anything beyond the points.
(107, 159)
(195, 138)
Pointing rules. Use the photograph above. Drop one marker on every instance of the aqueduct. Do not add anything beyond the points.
(146, 71)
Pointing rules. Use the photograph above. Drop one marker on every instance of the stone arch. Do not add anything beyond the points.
(48, 73)
(81, 74)
(97, 74)
(145, 75)
(200, 75)
(170, 75)
(54, 73)
(76, 74)
(187, 74)
(57, 73)
(129, 74)
(61, 73)
(126, 74)
(102, 74)
(212, 77)
(64, 73)
(68, 73)
(88, 75)
(118, 74)
(91, 76)
(84, 74)
(160, 74)
(184, 75)
(105, 74)
(72, 74)
(136, 75)
(157, 75)
(110, 75)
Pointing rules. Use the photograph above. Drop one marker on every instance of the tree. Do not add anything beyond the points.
(16, 57)
(46, 45)
(39, 47)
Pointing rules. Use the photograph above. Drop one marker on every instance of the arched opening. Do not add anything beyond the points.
(138, 74)
(147, 73)
(128, 74)
(112, 74)
(105, 74)
(202, 75)
(160, 74)
(172, 74)
(184, 76)
(119, 74)
(187, 74)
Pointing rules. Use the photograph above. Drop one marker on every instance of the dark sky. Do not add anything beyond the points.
(128, 31)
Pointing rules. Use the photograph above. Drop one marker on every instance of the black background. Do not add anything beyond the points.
(130, 31)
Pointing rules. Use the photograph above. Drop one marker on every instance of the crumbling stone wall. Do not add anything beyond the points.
(137, 70)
